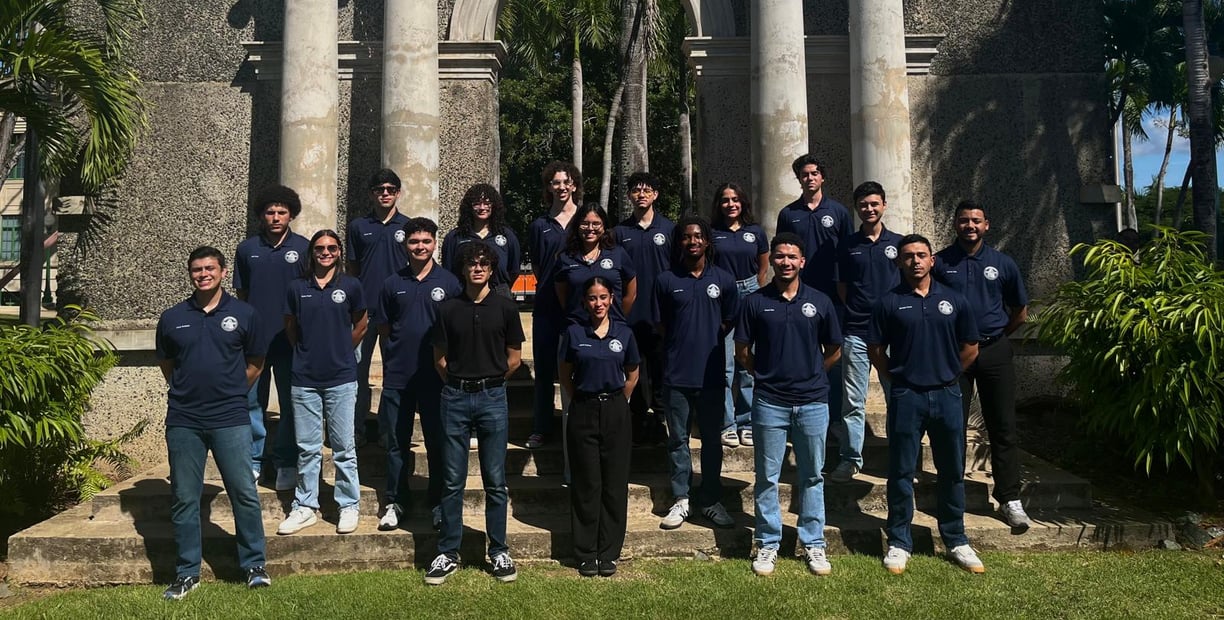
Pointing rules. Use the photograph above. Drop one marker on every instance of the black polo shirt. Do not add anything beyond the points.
(693, 311)
(612, 264)
(788, 336)
(990, 281)
(264, 272)
(599, 363)
(475, 335)
(546, 238)
(324, 356)
(410, 306)
(822, 230)
(378, 250)
(650, 251)
(868, 269)
(739, 251)
(504, 244)
(208, 387)
(923, 334)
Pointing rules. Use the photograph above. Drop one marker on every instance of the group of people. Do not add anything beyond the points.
(650, 327)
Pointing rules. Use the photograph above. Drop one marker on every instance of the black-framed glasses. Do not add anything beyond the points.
(384, 189)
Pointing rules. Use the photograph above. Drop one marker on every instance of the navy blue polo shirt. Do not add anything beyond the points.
(990, 281)
(324, 356)
(822, 230)
(410, 306)
(693, 311)
(208, 387)
(504, 244)
(739, 251)
(378, 250)
(923, 334)
(599, 363)
(264, 272)
(650, 250)
(868, 269)
(788, 336)
(546, 238)
(612, 264)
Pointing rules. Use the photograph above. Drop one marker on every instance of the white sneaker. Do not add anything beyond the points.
(844, 472)
(286, 478)
(299, 519)
(472, 443)
(1014, 515)
(718, 515)
(348, 520)
(256, 473)
(967, 558)
(817, 561)
(390, 518)
(676, 515)
(896, 559)
(764, 562)
(730, 439)
(746, 437)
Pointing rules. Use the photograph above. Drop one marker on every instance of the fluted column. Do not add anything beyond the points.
(410, 102)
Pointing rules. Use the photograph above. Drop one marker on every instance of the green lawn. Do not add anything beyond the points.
(1016, 585)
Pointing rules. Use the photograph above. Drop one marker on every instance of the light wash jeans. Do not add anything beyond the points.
(851, 426)
(737, 403)
(310, 407)
(807, 425)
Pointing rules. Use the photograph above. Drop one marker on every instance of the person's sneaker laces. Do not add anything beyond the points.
(764, 562)
(180, 588)
(286, 478)
(967, 558)
(676, 515)
(442, 567)
(817, 561)
(589, 568)
(844, 472)
(348, 520)
(730, 439)
(718, 515)
(503, 568)
(257, 577)
(299, 519)
(1014, 515)
(437, 517)
(535, 440)
(390, 518)
(896, 559)
(746, 437)
(607, 568)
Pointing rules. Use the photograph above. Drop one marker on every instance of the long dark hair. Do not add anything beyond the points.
(678, 236)
(338, 268)
(719, 219)
(573, 242)
(497, 212)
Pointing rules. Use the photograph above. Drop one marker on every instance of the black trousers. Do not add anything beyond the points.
(648, 393)
(994, 376)
(599, 437)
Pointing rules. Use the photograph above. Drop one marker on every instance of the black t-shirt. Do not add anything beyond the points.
(475, 335)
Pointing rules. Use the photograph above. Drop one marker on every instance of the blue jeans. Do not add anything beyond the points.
(284, 453)
(187, 449)
(483, 414)
(310, 407)
(737, 400)
(807, 425)
(937, 412)
(545, 341)
(680, 404)
(395, 414)
(851, 426)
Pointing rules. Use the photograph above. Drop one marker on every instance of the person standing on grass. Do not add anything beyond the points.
(741, 248)
(264, 265)
(694, 308)
(788, 337)
(325, 320)
(598, 367)
(921, 339)
(867, 268)
(211, 350)
(482, 217)
(477, 345)
(407, 311)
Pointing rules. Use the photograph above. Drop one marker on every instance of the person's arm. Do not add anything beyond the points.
(743, 355)
(878, 354)
(291, 330)
(167, 368)
(629, 297)
(832, 353)
(361, 323)
(631, 379)
(514, 358)
(254, 367)
(968, 354)
(440, 362)
(762, 269)
(1015, 318)
(565, 376)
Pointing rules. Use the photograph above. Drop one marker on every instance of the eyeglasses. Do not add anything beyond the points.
(641, 191)
(590, 225)
(384, 189)
(331, 249)
(560, 183)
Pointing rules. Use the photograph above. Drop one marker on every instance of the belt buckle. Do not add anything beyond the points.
(471, 385)
(604, 396)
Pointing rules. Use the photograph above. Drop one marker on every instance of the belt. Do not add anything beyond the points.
(475, 385)
(600, 396)
(982, 342)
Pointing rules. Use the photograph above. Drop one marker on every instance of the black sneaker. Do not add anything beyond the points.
(257, 577)
(503, 568)
(589, 568)
(442, 567)
(180, 588)
(607, 568)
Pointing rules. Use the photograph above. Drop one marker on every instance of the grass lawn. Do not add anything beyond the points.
(1016, 585)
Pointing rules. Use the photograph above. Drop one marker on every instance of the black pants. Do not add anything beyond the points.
(994, 374)
(648, 393)
(599, 438)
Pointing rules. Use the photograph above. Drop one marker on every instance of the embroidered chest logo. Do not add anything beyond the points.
(605, 263)
(713, 291)
(615, 346)
(890, 252)
(229, 323)
(945, 307)
(991, 273)
(660, 239)
(291, 256)
(749, 238)
(437, 294)
(399, 236)
(826, 221)
(809, 310)
(339, 296)
(500, 240)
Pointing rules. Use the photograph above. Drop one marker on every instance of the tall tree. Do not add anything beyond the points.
(1198, 110)
(638, 26)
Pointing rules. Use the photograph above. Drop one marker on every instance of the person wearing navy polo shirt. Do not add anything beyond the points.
(375, 252)
(406, 312)
(921, 338)
(263, 267)
(325, 320)
(867, 268)
(694, 309)
(788, 337)
(211, 350)
(646, 235)
(992, 283)
(598, 367)
(482, 216)
(477, 346)
(546, 239)
(590, 250)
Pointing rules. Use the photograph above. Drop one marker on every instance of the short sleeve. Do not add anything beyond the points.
(165, 348)
(1014, 293)
(253, 343)
(514, 325)
(437, 334)
(356, 295)
(830, 328)
(762, 243)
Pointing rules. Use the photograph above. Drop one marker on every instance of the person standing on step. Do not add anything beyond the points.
(590, 250)
(325, 320)
(482, 216)
(741, 248)
(921, 339)
(598, 367)
(992, 283)
(546, 239)
(695, 306)
(788, 337)
(407, 311)
(477, 344)
(211, 351)
(646, 236)
(867, 268)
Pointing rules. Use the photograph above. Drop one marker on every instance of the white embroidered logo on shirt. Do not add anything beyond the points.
(991, 273)
(890, 252)
(945, 307)
(749, 238)
(291, 256)
(500, 240)
(660, 239)
(437, 294)
(826, 221)
(713, 291)
(615, 346)
(809, 310)
(399, 236)
(339, 296)
(605, 263)
(229, 323)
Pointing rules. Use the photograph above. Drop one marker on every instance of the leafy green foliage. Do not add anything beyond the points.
(1144, 337)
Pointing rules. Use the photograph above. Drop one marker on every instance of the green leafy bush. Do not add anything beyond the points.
(46, 376)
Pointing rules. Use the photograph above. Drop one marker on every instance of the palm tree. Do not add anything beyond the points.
(1198, 109)
(638, 34)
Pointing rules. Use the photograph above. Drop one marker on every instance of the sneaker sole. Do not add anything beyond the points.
(820, 572)
(435, 581)
(280, 531)
(893, 570)
(976, 570)
(261, 584)
(761, 572)
(507, 578)
(346, 530)
(179, 597)
(666, 526)
(387, 527)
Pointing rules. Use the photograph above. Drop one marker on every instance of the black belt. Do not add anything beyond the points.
(600, 396)
(990, 340)
(475, 385)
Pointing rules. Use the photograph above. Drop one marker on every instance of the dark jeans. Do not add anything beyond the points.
(364, 393)
(936, 412)
(707, 404)
(484, 415)
(994, 374)
(284, 451)
(395, 414)
(187, 449)
(545, 340)
(599, 436)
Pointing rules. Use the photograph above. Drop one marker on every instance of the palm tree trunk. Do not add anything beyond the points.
(605, 185)
(634, 155)
(1164, 165)
(1128, 176)
(1202, 140)
(1179, 210)
(33, 216)
(576, 101)
(686, 143)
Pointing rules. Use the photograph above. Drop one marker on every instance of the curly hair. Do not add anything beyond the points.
(277, 194)
(678, 236)
(497, 215)
(719, 219)
(551, 171)
(573, 241)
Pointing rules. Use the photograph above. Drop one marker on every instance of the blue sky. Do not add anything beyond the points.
(1148, 154)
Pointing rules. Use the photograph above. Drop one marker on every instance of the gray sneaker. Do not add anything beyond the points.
(817, 561)
(844, 472)
(676, 515)
(718, 515)
(966, 558)
(764, 562)
(1014, 515)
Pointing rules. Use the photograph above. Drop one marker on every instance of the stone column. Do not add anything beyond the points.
(879, 106)
(310, 121)
(410, 102)
(779, 104)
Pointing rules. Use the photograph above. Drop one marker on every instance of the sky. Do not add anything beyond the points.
(1148, 155)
